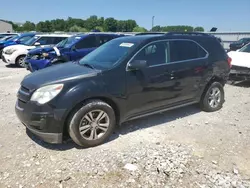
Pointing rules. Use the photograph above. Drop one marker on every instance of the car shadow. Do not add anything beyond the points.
(13, 66)
(127, 127)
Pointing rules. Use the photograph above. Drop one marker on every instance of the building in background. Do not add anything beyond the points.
(5, 27)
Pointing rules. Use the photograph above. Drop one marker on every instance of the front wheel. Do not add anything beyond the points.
(20, 61)
(213, 98)
(92, 124)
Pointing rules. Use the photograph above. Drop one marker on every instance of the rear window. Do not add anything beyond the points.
(182, 50)
(214, 48)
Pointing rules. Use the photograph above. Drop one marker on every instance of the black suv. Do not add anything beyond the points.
(124, 79)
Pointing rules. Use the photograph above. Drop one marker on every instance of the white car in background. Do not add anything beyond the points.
(15, 54)
(240, 70)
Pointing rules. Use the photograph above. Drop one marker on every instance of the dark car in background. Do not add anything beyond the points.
(239, 44)
(124, 79)
(70, 49)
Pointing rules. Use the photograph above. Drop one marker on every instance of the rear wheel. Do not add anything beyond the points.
(20, 61)
(213, 98)
(92, 124)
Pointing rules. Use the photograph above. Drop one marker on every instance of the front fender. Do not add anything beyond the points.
(39, 64)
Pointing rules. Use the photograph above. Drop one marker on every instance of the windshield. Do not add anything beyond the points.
(61, 43)
(68, 42)
(13, 38)
(246, 48)
(31, 41)
(109, 54)
(243, 40)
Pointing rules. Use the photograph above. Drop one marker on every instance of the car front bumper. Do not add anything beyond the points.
(238, 73)
(9, 59)
(44, 121)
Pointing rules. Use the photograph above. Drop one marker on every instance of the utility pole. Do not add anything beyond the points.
(153, 17)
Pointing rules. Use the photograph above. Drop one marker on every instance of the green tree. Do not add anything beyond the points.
(121, 26)
(156, 28)
(76, 28)
(28, 26)
(130, 25)
(58, 25)
(100, 28)
(199, 29)
(110, 24)
(44, 26)
(139, 29)
(92, 22)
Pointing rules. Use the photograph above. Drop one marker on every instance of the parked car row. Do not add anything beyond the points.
(125, 78)
(38, 51)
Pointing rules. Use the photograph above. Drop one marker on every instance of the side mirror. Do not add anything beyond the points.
(37, 44)
(238, 50)
(18, 42)
(137, 64)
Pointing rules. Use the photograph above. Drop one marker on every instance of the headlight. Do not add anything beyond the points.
(10, 51)
(46, 93)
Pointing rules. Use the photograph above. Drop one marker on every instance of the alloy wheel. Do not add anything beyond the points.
(214, 98)
(94, 125)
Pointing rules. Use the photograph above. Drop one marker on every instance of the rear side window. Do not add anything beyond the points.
(103, 39)
(46, 40)
(89, 42)
(183, 50)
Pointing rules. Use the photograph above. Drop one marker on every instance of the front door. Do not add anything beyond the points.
(147, 88)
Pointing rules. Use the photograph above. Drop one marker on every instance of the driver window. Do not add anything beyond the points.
(155, 53)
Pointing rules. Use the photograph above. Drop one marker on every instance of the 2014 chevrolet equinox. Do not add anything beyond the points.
(124, 79)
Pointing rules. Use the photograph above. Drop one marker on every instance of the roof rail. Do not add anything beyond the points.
(151, 33)
(188, 33)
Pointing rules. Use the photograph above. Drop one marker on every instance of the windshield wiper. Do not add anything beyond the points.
(88, 65)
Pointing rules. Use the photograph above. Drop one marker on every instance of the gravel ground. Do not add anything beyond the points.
(180, 148)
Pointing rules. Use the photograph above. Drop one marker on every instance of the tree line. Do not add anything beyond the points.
(95, 23)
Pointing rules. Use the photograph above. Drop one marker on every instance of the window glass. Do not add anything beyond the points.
(45, 40)
(245, 48)
(103, 39)
(58, 39)
(88, 42)
(155, 53)
(24, 39)
(109, 54)
(182, 50)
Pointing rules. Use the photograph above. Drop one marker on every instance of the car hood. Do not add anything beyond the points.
(19, 46)
(241, 59)
(61, 73)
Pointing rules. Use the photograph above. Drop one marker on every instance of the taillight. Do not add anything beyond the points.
(229, 61)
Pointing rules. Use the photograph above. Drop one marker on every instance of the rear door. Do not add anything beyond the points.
(187, 69)
(83, 47)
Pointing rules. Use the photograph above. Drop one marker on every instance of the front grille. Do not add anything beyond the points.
(24, 94)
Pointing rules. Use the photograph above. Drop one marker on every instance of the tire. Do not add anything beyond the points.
(81, 127)
(20, 61)
(213, 98)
